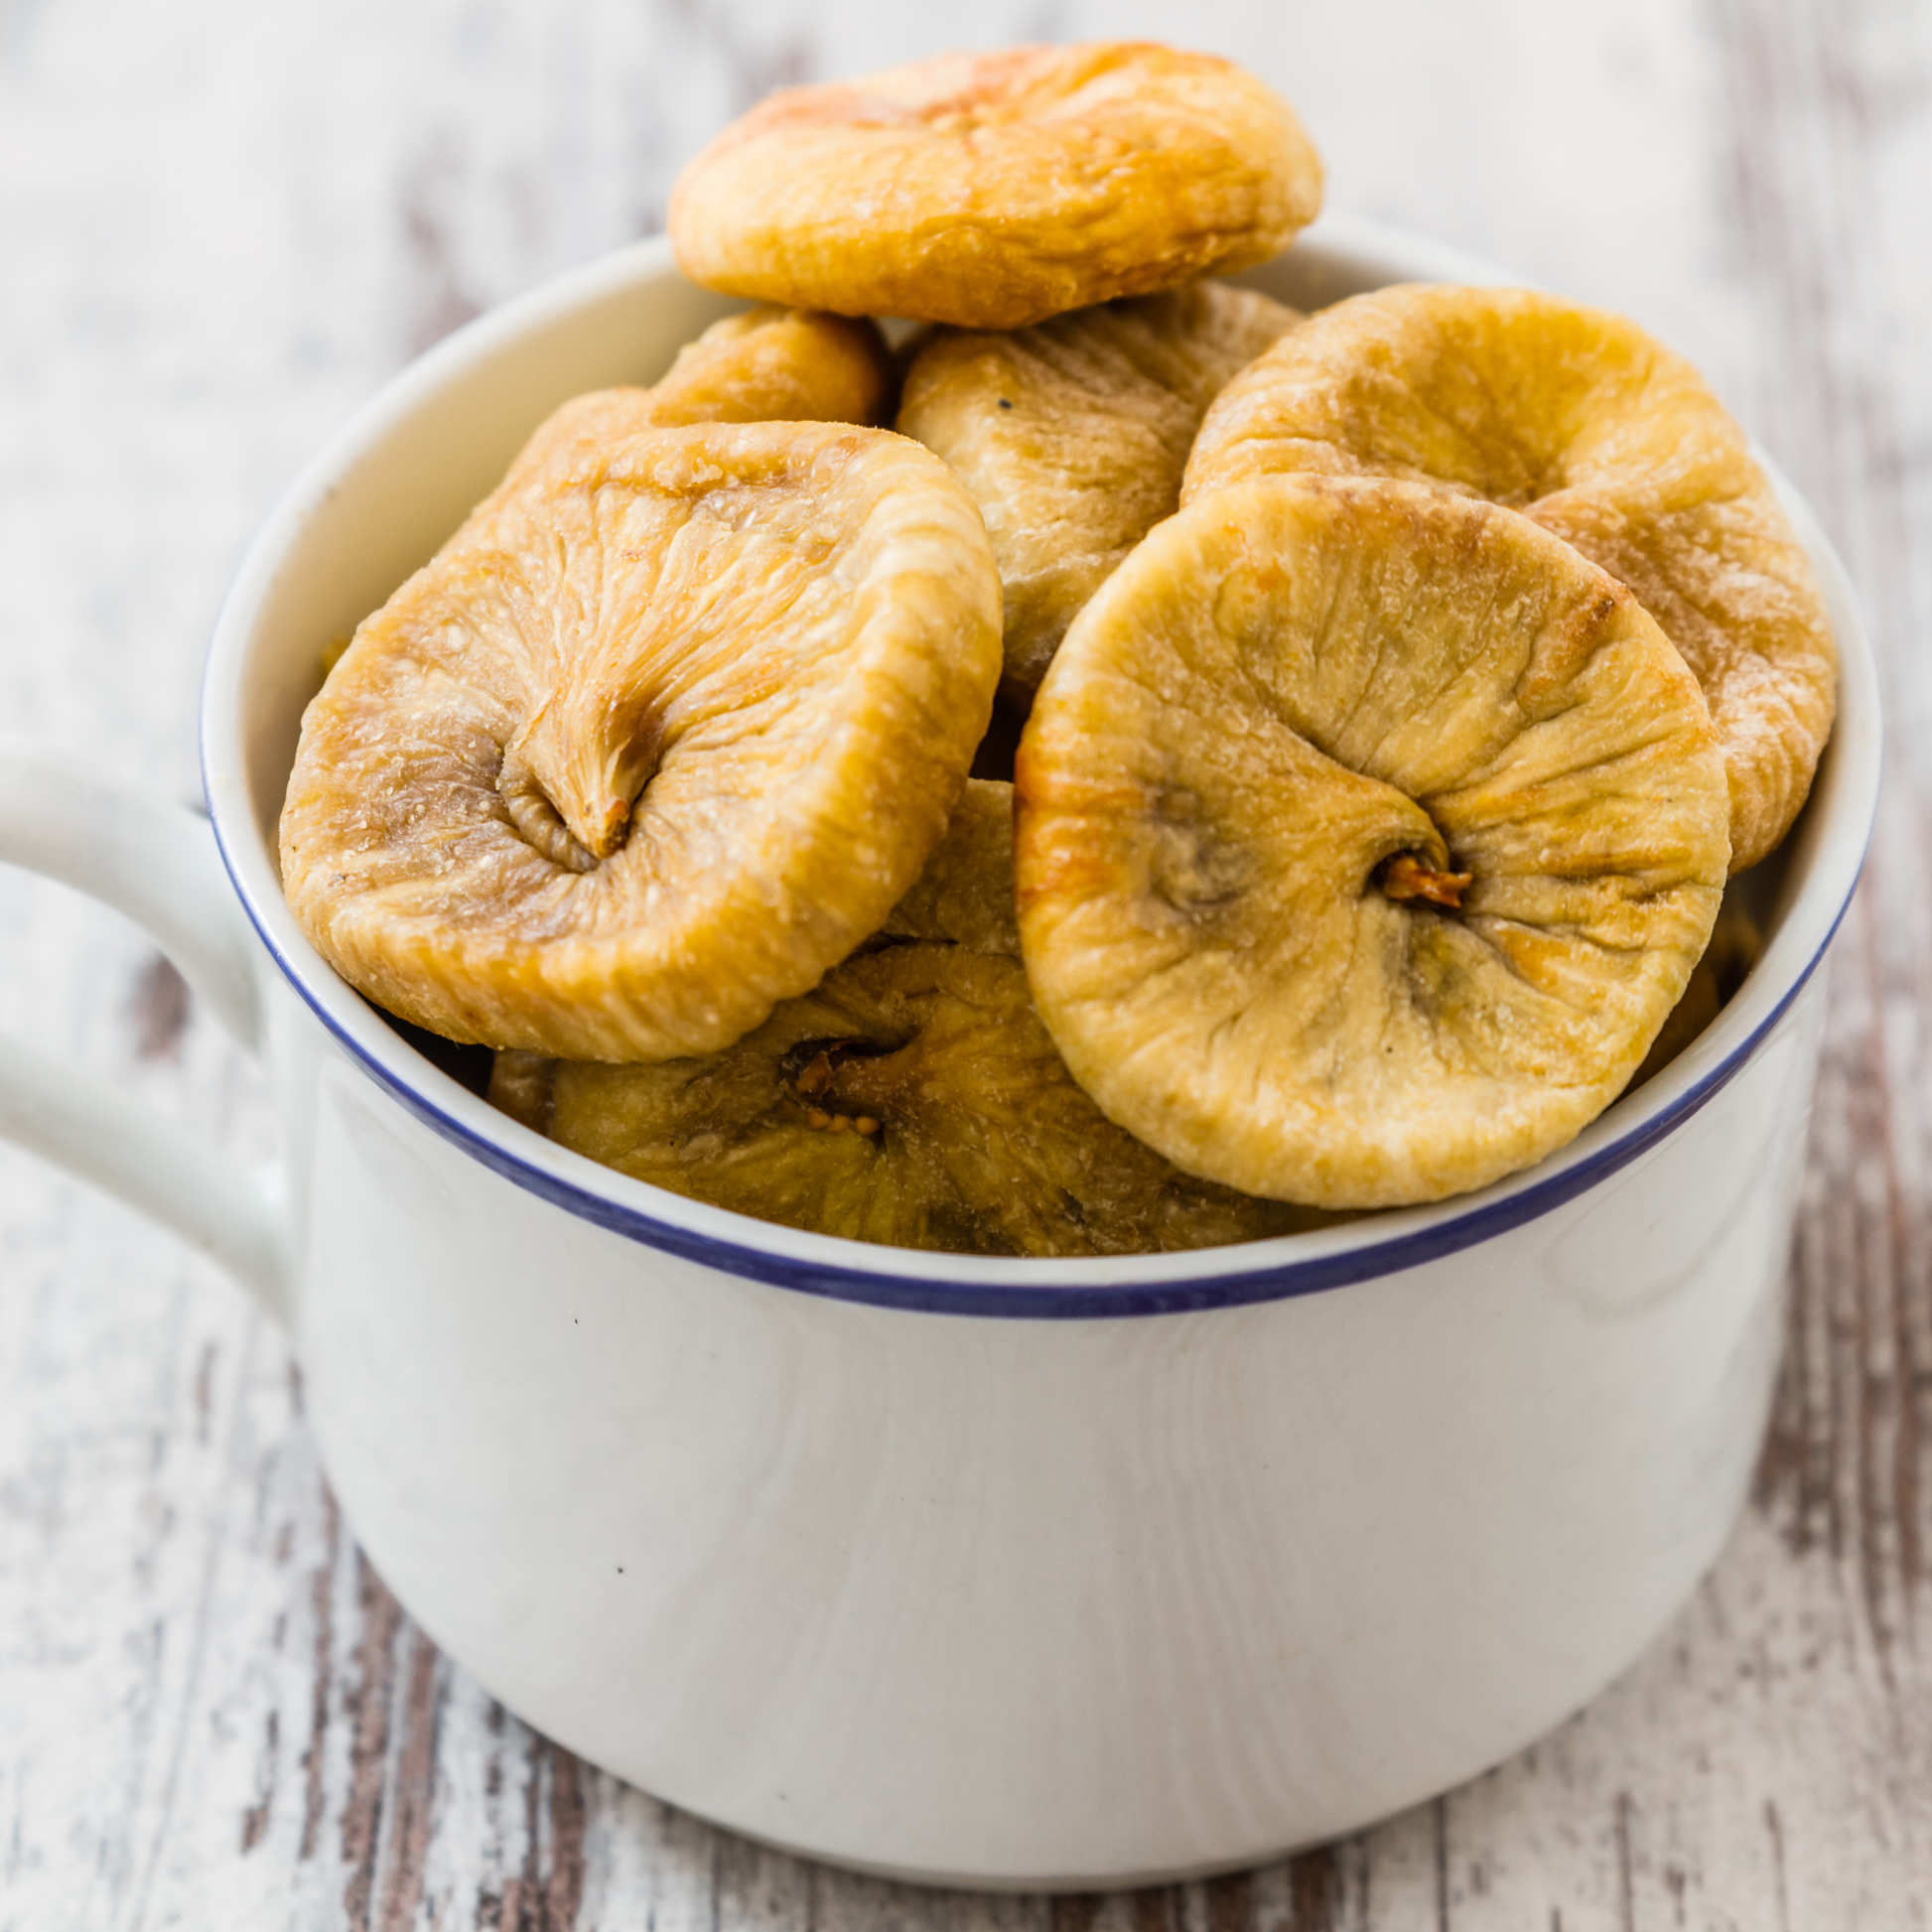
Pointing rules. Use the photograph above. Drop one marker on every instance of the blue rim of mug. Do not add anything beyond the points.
(1260, 1280)
(1201, 1280)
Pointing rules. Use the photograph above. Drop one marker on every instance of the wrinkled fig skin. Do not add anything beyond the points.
(912, 1099)
(667, 730)
(1582, 422)
(1287, 686)
(765, 365)
(965, 894)
(995, 189)
(1071, 437)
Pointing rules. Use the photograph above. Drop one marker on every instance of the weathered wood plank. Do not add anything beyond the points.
(224, 224)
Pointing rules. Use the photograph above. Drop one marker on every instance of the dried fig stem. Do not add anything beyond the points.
(1406, 877)
(810, 1070)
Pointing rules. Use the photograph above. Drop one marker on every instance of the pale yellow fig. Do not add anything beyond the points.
(1599, 433)
(995, 189)
(668, 728)
(1071, 437)
(1365, 836)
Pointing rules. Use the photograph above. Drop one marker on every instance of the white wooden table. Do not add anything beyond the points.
(223, 223)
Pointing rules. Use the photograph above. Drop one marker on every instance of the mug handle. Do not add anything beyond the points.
(156, 862)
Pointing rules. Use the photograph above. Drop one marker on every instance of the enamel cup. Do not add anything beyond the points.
(991, 1572)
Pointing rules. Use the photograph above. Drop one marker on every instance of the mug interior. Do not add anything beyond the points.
(396, 481)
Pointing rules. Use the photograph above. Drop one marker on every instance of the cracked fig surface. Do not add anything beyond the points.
(1297, 711)
(661, 734)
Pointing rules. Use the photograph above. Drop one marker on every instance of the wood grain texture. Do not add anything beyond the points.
(223, 225)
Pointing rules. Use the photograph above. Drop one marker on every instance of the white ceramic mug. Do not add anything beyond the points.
(993, 1572)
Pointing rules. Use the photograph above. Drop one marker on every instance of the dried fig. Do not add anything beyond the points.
(995, 189)
(913, 1099)
(663, 732)
(1589, 427)
(1071, 437)
(1365, 836)
(763, 366)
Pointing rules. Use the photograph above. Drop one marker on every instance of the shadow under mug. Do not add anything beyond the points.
(986, 1571)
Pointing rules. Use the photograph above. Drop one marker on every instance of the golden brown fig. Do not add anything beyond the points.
(763, 365)
(1284, 692)
(912, 1098)
(1071, 437)
(663, 732)
(995, 189)
(1586, 424)
(965, 893)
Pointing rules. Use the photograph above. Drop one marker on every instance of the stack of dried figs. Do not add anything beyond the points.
(1399, 686)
